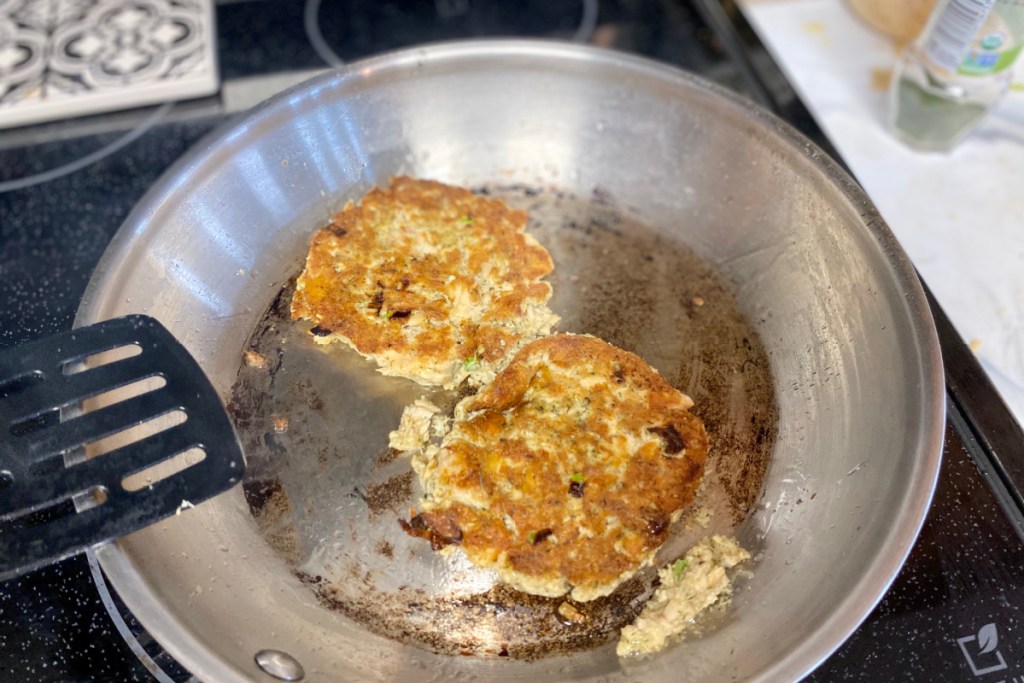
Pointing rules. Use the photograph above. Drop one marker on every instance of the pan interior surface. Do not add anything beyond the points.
(844, 326)
(327, 493)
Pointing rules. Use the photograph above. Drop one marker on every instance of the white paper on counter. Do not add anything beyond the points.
(960, 216)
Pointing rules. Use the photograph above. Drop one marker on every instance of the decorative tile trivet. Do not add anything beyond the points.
(65, 58)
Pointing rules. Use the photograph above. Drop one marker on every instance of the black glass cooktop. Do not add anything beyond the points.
(956, 610)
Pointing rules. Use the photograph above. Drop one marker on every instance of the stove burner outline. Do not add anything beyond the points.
(311, 22)
(89, 159)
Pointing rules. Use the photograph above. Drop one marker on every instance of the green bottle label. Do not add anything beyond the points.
(997, 43)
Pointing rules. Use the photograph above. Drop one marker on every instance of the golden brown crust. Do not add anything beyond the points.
(567, 469)
(427, 279)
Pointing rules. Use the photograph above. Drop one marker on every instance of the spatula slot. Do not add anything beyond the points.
(43, 410)
(35, 517)
(36, 422)
(162, 470)
(87, 500)
(141, 431)
(73, 366)
(16, 385)
(46, 466)
(123, 393)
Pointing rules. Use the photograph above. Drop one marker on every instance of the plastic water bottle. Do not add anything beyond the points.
(959, 68)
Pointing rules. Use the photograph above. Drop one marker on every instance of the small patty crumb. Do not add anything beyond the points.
(689, 585)
(570, 614)
(420, 420)
(255, 360)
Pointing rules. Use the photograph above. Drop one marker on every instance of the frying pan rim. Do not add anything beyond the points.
(895, 547)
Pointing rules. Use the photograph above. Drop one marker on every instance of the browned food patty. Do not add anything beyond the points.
(430, 281)
(565, 471)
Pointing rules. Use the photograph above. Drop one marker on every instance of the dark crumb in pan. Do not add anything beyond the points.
(308, 394)
(388, 495)
(272, 510)
(260, 494)
(385, 457)
(385, 548)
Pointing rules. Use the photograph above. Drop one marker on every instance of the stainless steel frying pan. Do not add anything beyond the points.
(802, 254)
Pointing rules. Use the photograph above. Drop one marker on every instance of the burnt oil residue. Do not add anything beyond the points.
(388, 495)
(327, 493)
(500, 622)
(272, 509)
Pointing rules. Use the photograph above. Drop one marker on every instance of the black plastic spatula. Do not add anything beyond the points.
(84, 415)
